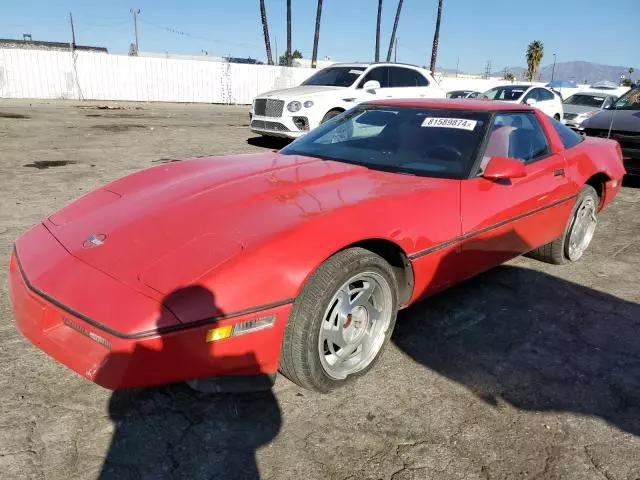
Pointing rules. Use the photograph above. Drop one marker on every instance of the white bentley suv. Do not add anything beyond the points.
(292, 112)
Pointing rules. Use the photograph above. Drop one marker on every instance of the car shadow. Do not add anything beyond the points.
(174, 431)
(535, 341)
(272, 143)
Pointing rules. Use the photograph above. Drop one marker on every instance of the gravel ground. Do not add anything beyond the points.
(526, 372)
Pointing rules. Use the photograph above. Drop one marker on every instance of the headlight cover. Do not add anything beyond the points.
(294, 106)
(308, 104)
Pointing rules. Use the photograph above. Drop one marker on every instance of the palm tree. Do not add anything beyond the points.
(378, 31)
(393, 32)
(265, 29)
(436, 36)
(535, 52)
(316, 35)
(288, 53)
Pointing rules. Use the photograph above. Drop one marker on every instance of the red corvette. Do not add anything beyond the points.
(299, 260)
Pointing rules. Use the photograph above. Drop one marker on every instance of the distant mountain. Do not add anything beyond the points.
(578, 72)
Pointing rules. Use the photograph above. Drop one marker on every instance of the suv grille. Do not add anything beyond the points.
(629, 141)
(278, 127)
(570, 116)
(267, 107)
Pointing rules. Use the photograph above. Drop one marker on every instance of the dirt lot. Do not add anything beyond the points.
(526, 372)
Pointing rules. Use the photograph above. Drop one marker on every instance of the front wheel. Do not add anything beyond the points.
(341, 321)
(579, 232)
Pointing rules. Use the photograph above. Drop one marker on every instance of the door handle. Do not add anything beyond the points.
(559, 172)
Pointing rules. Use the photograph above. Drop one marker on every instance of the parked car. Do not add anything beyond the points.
(292, 112)
(463, 94)
(299, 259)
(581, 106)
(620, 122)
(541, 98)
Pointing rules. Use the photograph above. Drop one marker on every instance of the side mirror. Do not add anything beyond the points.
(531, 101)
(371, 86)
(500, 168)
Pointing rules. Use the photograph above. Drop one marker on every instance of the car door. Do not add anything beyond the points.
(380, 75)
(503, 219)
(407, 83)
(548, 102)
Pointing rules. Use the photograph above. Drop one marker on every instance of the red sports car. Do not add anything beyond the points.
(299, 260)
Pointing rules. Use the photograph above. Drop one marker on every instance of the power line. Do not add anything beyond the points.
(197, 37)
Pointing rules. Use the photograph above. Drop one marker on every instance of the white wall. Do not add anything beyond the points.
(97, 76)
(92, 76)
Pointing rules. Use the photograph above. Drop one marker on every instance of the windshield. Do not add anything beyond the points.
(585, 100)
(430, 142)
(335, 76)
(511, 92)
(629, 101)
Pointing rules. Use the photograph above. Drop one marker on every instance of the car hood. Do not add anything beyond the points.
(578, 109)
(302, 91)
(170, 225)
(624, 120)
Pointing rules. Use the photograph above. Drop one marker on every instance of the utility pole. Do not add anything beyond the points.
(487, 70)
(135, 14)
(457, 65)
(73, 33)
(553, 70)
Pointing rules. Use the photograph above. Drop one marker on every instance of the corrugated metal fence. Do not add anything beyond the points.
(46, 74)
(98, 76)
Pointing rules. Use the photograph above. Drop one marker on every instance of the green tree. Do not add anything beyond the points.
(377, 54)
(395, 28)
(509, 76)
(288, 52)
(283, 61)
(265, 31)
(436, 37)
(535, 52)
(316, 35)
(627, 82)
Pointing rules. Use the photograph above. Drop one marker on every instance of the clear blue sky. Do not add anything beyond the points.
(474, 30)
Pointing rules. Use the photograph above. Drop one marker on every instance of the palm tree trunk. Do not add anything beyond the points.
(265, 29)
(393, 32)
(378, 31)
(316, 36)
(288, 54)
(436, 36)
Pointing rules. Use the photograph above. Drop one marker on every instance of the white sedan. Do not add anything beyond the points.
(539, 97)
(292, 112)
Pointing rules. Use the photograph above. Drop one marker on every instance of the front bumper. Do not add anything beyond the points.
(116, 360)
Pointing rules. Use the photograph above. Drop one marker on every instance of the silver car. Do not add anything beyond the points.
(581, 106)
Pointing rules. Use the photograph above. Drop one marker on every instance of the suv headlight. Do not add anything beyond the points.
(585, 116)
(294, 106)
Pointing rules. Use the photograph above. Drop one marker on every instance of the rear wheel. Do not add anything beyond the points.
(557, 116)
(579, 232)
(341, 321)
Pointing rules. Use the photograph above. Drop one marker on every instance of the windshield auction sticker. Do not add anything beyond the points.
(460, 123)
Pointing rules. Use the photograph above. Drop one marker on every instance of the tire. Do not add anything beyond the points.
(559, 252)
(317, 309)
(557, 116)
(329, 115)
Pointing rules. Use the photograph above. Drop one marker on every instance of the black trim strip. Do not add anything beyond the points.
(439, 246)
(146, 333)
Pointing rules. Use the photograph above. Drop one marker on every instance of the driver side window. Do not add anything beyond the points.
(517, 135)
(380, 74)
(532, 94)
